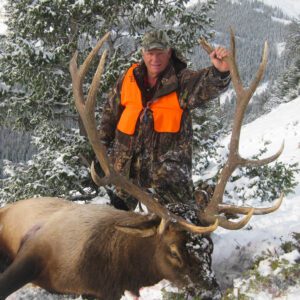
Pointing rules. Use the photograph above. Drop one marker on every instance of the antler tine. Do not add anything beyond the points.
(77, 93)
(236, 225)
(260, 71)
(205, 45)
(100, 181)
(86, 108)
(245, 210)
(91, 98)
(234, 71)
(87, 114)
(198, 229)
(261, 162)
(234, 160)
(85, 66)
(232, 43)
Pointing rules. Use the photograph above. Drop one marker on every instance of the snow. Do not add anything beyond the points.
(280, 48)
(267, 232)
(291, 256)
(264, 268)
(234, 249)
(260, 89)
(3, 27)
(289, 7)
(284, 21)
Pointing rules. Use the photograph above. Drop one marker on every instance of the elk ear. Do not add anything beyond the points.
(140, 228)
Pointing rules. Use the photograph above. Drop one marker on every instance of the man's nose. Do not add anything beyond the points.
(155, 57)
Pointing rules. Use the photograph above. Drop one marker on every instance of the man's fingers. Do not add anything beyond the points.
(221, 52)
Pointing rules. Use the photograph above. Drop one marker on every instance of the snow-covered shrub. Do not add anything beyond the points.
(36, 87)
(272, 275)
(264, 183)
(56, 169)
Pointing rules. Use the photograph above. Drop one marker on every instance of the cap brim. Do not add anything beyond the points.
(156, 46)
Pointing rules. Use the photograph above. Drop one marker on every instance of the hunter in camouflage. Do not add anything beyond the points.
(161, 161)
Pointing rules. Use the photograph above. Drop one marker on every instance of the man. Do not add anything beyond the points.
(147, 123)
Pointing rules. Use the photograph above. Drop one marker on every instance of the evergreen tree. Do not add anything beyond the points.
(288, 84)
(42, 35)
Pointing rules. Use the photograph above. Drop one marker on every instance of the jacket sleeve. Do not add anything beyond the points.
(200, 86)
(111, 114)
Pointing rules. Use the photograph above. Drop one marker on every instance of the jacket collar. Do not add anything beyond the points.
(167, 80)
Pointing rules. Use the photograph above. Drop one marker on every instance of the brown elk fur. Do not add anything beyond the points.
(81, 249)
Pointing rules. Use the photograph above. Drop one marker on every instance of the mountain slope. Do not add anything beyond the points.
(289, 7)
(234, 250)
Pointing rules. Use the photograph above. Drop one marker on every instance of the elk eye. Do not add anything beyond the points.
(174, 254)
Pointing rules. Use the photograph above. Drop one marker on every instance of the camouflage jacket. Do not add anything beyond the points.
(161, 161)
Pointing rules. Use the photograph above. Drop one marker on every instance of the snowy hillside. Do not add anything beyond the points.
(268, 232)
(235, 250)
(289, 7)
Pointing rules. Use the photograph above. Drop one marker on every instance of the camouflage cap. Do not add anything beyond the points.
(156, 39)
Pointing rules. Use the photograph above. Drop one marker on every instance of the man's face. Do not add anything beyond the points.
(156, 61)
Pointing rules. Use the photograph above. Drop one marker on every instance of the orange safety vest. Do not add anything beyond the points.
(166, 110)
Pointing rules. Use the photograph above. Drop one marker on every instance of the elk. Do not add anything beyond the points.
(99, 251)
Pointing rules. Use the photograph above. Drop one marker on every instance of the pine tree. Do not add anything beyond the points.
(288, 84)
(37, 96)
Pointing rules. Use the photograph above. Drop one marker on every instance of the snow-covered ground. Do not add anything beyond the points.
(235, 250)
(232, 248)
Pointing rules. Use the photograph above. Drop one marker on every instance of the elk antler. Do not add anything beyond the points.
(215, 206)
(86, 109)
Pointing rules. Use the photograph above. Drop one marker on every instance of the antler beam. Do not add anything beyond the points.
(215, 206)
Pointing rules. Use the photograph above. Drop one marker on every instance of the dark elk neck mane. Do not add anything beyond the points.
(125, 254)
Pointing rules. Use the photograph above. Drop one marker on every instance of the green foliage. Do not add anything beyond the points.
(282, 274)
(207, 130)
(289, 246)
(35, 84)
(263, 183)
(266, 182)
(288, 85)
(58, 161)
(44, 34)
